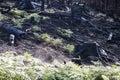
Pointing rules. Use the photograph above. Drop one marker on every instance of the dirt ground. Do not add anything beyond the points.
(99, 31)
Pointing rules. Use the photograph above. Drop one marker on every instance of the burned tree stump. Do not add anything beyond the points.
(91, 51)
(24, 4)
(42, 7)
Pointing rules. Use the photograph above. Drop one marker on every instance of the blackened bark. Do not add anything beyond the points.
(42, 7)
(69, 2)
(25, 4)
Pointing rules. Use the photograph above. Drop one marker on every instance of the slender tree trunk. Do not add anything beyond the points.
(42, 7)
(72, 12)
(106, 4)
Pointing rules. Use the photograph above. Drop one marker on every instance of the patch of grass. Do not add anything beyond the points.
(65, 32)
(71, 71)
(18, 22)
(35, 16)
(36, 28)
(69, 48)
(18, 12)
(56, 42)
(27, 55)
(47, 38)
(43, 37)
(19, 26)
(3, 17)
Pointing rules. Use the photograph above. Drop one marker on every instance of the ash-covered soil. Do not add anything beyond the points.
(98, 28)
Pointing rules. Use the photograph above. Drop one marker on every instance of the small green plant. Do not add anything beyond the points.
(65, 32)
(27, 55)
(3, 17)
(56, 42)
(18, 12)
(15, 21)
(45, 37)
(19, 26)
(35, 16)
(18, 22)
(69, 48)
(35, 28)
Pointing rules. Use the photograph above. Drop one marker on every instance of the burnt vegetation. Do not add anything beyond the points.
(81, 31)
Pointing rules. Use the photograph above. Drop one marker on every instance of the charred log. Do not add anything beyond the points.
(12, 30)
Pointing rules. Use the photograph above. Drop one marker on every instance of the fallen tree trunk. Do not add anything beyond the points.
(11, 30)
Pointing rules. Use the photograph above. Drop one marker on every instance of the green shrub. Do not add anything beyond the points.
(18, 12)
(35, 16)
(27, 55)
(47, 38)
(19, 26)
(43, 37)
(18, 67)
(3, 17)
(69, 48)
(71, 71)
(65, 32)
(56, 42)
(18, 23)
(35, 28)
